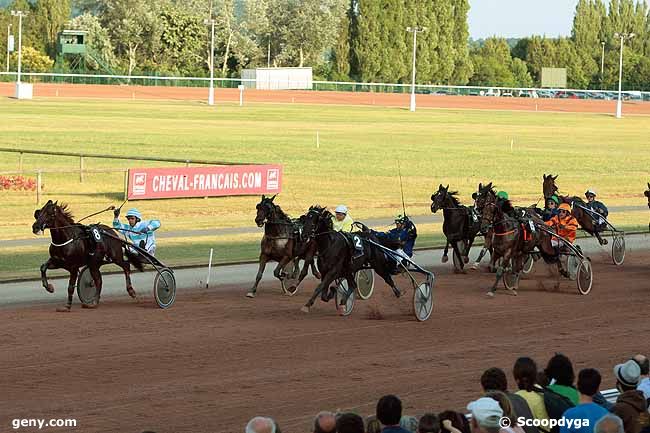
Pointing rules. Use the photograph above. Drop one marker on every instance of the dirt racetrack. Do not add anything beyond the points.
(325, 97)
(215, 358)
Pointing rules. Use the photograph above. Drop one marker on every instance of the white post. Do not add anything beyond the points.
(619, 103)
(241, 95)
(207, 280)
(211, 93)
(19, 14)
(602, 64)
(8, 38)
(415, 31)
(268, 56)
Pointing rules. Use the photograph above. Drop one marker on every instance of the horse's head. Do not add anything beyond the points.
(484, 196)
(490, 214)
(45, 217)
(647, 194)
(265, 209)
(549, 187)
(316, 220)
(442, 199)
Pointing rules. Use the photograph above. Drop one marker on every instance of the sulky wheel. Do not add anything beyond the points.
(528, 265)
(287, 281)
(511, 281)
(365, 279)
(584, 277)
(572, 265)
(164, 288)
(341, 291)
(423, 300)
(618, 249)
(86, 290)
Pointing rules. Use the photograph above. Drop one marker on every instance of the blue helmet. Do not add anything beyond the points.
(134, 213)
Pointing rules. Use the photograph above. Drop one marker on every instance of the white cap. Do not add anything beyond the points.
(486, 411)
(341, 209)
(591, 191)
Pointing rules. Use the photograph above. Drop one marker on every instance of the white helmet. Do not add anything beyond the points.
(341, 209)
(591, 191)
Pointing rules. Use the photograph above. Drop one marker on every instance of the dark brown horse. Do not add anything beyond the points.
(282, 243)
(460, 225)
(585, 219)
(647, 194)
(485, 195)
(70, 249)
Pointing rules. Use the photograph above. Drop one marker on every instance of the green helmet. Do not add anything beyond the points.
(502, 195)
(554, 198)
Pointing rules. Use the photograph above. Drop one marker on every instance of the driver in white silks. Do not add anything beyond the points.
(140, 232)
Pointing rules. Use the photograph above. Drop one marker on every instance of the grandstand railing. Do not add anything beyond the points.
(341, 86)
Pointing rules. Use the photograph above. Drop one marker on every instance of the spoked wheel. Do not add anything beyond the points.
(164, 288)
(572, 264)
(423, 300)
(341, 291)
(528, 265)
(86, 290)
(511, 281)
(365, 279)
(288, 282)
(584, 276)
(618, 249)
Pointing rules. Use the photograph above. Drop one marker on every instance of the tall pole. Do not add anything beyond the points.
(211, 93)
(415, 31)
(268, 56)
(602, 64)
(619, 103)
(8, 37)
(20, 15)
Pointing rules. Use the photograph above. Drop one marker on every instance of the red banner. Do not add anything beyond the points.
(207, 181)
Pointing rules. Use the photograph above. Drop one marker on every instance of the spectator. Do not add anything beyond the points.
(560, 371)
(429, 423)
(261, 424)
(588, 384)
(373, 425)
(409, 423)
(494, 379)
(389, 413)
(349, 423)
(453, 422)
(525, 373)
(609, 424)
(325, 422)
(506, 407)
(486, 414)
(644, 383)
(630, 404)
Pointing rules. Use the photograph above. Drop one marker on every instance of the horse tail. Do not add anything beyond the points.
(135, 259)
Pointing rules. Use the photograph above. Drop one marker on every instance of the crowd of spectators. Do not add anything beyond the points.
(551, 400)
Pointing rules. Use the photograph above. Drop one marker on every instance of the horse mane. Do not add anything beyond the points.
(279, 213)
(452, 195)
(65, 213)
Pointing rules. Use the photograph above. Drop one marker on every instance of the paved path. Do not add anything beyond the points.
(237, 275)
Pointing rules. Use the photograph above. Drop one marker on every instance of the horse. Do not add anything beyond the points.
(485, 195)
(585, 219)
(647, 194)
(337, 258)
(460, 224)
(281, 243)
(70, 249)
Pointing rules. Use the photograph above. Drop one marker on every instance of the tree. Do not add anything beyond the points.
(182, 40)
(33, 60)
(493, 64)
(520, 73)
(462, 63)
(50, 17)
(368, 42)
(98, 43)
(444, 53)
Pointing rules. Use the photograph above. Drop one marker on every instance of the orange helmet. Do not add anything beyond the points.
(565, 206)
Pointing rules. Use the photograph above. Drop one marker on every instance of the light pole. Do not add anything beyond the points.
(268, 55)
(9, 44)
(619, 104)
(20, 15)
(415, 30)
(211, 93)
(602, 64)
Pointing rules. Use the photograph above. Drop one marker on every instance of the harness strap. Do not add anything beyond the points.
(506, 233)
(64, 243)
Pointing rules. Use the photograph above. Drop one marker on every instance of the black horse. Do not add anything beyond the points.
(281, 243)
(460, 225)
(71, 249)
(338, 255)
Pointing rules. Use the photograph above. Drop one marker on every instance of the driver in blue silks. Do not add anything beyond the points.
(138, 231)
(404, 232)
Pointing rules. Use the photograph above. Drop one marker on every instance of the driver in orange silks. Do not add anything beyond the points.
(564, 223)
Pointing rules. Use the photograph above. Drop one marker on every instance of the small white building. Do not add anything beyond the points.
(278, 78)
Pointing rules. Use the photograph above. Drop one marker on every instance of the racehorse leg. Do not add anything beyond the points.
(97, 279)
(328, 278)
(352, 286)
(279, 269)
(260, 272)
(385, 274)
(126, 267)
(314, 269)
(477, 263)
(601, 241)
(457, 251)
(50, 264)
(445, 259)
(296, 268)
(499, 275)
(303, 273)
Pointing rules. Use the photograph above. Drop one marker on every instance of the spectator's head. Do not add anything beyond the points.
(429, 423)
(494, 379)
(349, 423)
(373, 425)
(261, 424)
(486, 414)
(389, 410)
(409, 423)
(589, 381)
(560, 369)
(504, 403)
(458, 421)
(325, 422)
(609, 424)
(525, 373)
(627, 375)
(644, 364)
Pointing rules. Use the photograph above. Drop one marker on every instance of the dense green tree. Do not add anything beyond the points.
(462, 63)
(98, 42)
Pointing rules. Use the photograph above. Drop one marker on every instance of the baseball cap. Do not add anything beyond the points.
(486, 411)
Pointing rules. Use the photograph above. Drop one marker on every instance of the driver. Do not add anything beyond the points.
(138, 231)
(342, 221)
(404, 232)
(565, 225)
(598, 207)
